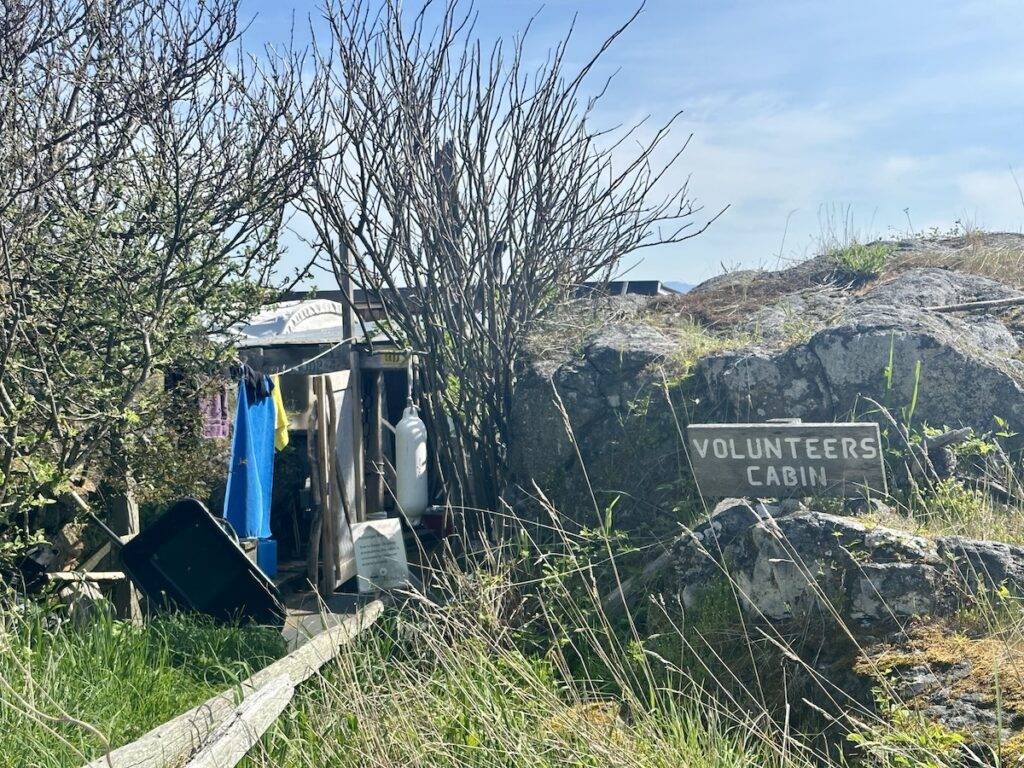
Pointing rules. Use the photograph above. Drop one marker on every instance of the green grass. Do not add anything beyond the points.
(692, 342)
(469, 703)
(955, 508)
(431, 685)
(511, 662)
(864, 261)
(118, 678)
(464, 684)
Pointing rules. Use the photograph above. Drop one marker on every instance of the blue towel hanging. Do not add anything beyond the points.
(251, 471)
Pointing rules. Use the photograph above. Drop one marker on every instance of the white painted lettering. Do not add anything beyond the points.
(750, 475)
(789, 476)
(793, 442)
(811, 448)
(868, 449)
(849, 448)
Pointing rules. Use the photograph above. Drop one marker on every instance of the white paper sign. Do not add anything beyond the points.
(380, 555)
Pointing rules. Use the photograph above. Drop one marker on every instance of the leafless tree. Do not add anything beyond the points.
(146, 165)
(480, 183)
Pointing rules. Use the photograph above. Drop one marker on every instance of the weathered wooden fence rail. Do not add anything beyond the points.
(222, 729)
(230, 742)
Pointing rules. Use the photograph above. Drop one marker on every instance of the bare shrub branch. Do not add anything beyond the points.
(145, 169)
(480, 184)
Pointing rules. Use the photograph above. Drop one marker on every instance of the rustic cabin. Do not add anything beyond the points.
(350, 378)
(340, 370)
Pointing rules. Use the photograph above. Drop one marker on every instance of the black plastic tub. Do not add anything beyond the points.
(185, 560)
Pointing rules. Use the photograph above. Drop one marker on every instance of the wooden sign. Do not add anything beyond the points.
(380, 555)
(777, 460)
(386, 361)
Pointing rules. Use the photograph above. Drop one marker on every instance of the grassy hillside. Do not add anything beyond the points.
(513, 661)
(512, 664)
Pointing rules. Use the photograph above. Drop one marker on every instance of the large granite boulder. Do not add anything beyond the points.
(960, 369)
(603, 402)
(612, 369)
(808, 568)
(614, 399)
(859, 609)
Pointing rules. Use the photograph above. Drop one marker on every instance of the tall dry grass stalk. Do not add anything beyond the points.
(511, 661)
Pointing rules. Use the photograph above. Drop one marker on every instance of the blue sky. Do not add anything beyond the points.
(892, 114)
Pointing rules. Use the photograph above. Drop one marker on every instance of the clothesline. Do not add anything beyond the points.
(314, 358)
(317, 356)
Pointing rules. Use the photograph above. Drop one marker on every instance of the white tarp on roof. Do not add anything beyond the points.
(306, 321)
(309, 321)
(315, 319)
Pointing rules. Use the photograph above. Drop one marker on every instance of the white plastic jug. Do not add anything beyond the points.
(411, 464)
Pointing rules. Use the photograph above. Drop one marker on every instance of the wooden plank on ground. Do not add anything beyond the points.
(96, 558)
(176, 740)
(77, 576)
(240, 732)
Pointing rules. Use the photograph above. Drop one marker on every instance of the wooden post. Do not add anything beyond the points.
(348, 325)
(375, 484)
(334, 491)
(124, 521)
(358, 454)
(316, 523)
(325, 460)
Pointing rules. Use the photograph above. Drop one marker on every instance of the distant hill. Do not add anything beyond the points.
(675, 285)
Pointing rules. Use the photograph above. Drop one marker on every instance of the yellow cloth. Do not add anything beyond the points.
(281, 416)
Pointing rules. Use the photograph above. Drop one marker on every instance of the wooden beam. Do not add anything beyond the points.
(333, 506)
(78, 576)
(241, 731)
(375, 483)
(96, 557)
(176, 740)
(358, 454)
(348, 325)
(326, 465)
(316, 522)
